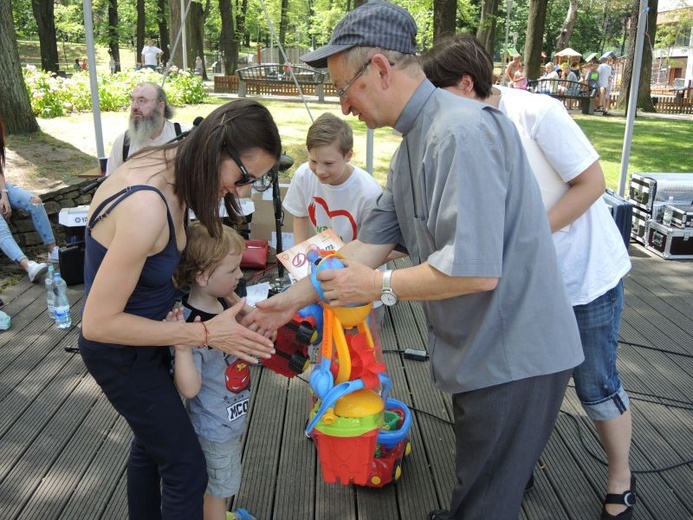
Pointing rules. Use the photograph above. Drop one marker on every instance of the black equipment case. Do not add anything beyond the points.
(682, 216)
(622, 212)
(669, 242)
(639, 226)
(648, 188)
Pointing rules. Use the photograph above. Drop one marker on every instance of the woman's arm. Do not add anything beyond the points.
(139, 228)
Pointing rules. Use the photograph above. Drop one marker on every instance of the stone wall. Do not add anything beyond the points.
(23, 228)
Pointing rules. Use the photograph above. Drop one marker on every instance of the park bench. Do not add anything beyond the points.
(565, 89)
(274, 78)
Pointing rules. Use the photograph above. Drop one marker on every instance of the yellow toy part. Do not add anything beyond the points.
(361, 403)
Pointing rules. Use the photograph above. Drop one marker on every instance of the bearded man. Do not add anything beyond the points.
(149, 124)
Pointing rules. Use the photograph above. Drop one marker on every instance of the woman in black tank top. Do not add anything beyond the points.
(135, 234)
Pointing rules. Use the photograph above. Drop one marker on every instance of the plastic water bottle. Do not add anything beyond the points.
(668, 212)
(63, 319)
(50, 295)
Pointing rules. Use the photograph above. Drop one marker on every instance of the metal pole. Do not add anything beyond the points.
(509, 7)
(633, 96)
(183, 16)
(93, 80)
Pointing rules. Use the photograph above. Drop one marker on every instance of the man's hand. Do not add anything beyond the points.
(356, 284)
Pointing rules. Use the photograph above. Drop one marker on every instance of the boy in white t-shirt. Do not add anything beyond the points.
(328, 191)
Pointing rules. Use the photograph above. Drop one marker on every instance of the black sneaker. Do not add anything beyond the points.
(439, 514)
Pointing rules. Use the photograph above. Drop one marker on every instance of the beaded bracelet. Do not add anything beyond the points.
(206, 334)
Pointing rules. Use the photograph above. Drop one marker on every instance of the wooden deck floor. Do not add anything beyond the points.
(63, 449)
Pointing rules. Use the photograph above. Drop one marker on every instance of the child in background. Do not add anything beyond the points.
(519, 79)
(328, 191)
(216, 386)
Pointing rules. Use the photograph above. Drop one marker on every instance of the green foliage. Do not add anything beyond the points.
(56, 96)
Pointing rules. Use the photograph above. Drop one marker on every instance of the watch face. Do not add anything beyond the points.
(388, 297)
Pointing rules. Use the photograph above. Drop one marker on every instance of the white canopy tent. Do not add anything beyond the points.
(568, 53)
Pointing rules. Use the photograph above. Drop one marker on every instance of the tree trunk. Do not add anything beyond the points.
(176, 52)
(197, 16)
(139, 44)
(45, 21)
(113, 46)
(15, 108)
(228, 41)
(161, 18)
(487, 25)
(568, 24)
(283, 22)
(644, 99)
(444, 18)
(535, 35)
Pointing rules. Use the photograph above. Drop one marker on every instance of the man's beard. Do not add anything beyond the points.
(143, 128)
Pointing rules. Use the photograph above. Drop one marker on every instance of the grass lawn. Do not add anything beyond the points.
(658, 145)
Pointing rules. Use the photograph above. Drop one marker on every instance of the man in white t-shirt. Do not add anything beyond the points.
(149, 124)
(151, 54)
(605, 72)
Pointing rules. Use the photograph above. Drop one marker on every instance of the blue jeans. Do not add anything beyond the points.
(21, 199)
(597, 382)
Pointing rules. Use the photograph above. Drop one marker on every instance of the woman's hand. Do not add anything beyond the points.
(227, 335)
(270, 314)
(5, 208)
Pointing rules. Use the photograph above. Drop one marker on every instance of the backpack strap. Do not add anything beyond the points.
(126, 146)
(126, 140)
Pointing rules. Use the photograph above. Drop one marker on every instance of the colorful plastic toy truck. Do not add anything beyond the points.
(361, 435)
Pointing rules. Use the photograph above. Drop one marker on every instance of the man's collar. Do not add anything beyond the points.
(414, 106)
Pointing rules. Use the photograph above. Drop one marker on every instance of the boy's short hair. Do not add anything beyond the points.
(328, 129)
(204, 253)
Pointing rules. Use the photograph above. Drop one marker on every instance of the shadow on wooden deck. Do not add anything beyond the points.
(64, 448)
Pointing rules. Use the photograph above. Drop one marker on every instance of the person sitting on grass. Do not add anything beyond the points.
(216, 385)
(14, 197)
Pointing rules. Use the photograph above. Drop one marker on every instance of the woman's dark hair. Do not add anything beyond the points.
(2, 145)
(239, 125)
(457, 56)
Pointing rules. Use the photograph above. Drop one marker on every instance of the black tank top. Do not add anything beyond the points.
(154, 294)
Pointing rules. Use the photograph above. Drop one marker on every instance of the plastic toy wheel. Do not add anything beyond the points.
(305, 333)
(396, 471)
(407, 449)
(299, 363)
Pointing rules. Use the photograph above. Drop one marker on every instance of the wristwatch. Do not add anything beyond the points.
(387, 295)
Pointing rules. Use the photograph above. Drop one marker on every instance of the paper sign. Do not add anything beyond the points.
(295, 260)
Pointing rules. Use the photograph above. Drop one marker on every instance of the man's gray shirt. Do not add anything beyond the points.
(461, 196)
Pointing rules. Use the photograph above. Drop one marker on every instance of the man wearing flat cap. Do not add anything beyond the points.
(462, 199)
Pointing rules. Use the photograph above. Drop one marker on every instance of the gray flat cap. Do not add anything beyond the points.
(374, 24)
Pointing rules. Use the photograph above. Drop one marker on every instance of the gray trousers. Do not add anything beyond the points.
(500, 433)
